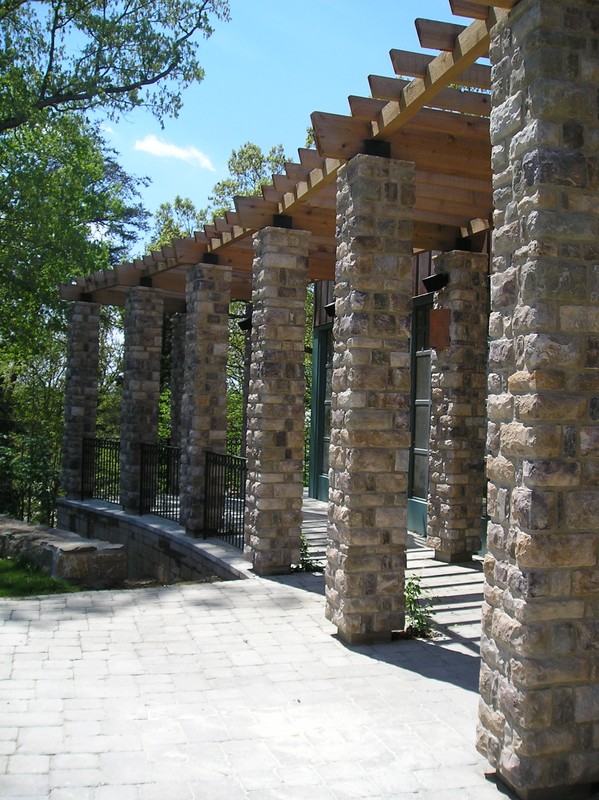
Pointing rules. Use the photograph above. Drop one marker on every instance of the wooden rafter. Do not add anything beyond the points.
(466, 8)
(437, 35)
(465, 102)
(444, 131)
(446, 68)
(507, 4)
(416, 65)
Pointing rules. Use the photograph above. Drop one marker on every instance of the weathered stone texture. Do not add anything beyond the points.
(539, 711)
(458, 394)
(370, 430)
(81, 391)
(204, 396)
(275, 416)
(141, 386)
(89, 563)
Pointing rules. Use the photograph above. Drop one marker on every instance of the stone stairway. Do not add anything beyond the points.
(314, 528)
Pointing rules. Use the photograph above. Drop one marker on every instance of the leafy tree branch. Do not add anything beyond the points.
(71, 55)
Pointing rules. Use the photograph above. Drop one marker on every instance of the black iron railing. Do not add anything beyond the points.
(159, 481)
(224, 495)
(100, 473)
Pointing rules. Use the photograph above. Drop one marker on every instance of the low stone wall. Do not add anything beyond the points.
(156, 548)
(89, 563)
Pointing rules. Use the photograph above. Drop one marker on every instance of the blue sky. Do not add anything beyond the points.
(266, 70)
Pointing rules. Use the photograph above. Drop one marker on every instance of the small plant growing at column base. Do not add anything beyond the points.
(419, 616)
(307, 563)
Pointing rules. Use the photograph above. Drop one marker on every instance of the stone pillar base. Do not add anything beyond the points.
(453, 558)
(579, 792)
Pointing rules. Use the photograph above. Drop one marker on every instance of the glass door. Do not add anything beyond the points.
(421, 415)
(320, 438)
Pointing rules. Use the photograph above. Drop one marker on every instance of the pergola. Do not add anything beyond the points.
(420, 165)
(444, 131)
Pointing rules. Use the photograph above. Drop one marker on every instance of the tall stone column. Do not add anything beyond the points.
(81, 391)
(204, 403)
(177, 376)
(459, 329)
(539, 713)
(370, 423)
(275, 436)
(141, 386)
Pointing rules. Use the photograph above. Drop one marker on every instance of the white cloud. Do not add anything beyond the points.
(152, 144)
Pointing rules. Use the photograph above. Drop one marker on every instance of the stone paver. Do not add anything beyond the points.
(237, 690)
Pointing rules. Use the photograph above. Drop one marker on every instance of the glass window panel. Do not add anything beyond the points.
(421, 427)
(325, 459)
(328, 384)
(327, 422)
(423, 377)
(329, 346)
(420, 476)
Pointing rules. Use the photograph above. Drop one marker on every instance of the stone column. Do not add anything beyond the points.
(539, 713)
(458, 332)
(141, 386)
(275, 437)
(370, 423)
(204, 402)
(177, 376)
(81, 391)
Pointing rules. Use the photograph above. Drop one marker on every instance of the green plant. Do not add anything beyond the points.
(307, 563)
(419, 616)
(20, 578)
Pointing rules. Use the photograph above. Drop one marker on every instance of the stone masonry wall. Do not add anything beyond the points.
(275, 436)
(141, 386)
(204, 401)
(81, 390)
(458, 410)
(539, 713)
(370, 423)
(153, 551)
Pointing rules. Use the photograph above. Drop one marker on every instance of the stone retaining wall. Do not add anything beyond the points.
(153, 550)
(89, 563)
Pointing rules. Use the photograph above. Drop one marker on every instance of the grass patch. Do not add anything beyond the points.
(21, 578)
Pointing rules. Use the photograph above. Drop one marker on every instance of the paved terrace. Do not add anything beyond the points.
(237, 690)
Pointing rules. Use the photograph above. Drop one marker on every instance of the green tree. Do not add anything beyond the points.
(79, 55)
(66, 209)
(176, 220)
(249, 170)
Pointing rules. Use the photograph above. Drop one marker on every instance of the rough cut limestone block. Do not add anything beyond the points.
(88, 563)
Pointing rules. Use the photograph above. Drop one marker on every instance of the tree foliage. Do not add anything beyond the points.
(176, 220)
(66, 209)
(249, 170)
(78, 55)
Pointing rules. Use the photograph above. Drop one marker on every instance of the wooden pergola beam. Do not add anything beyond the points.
(437, 35)
(466, 102)
(446, 68)
(188, 250)
(415, 65)
(507, 4)
(465, 8)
